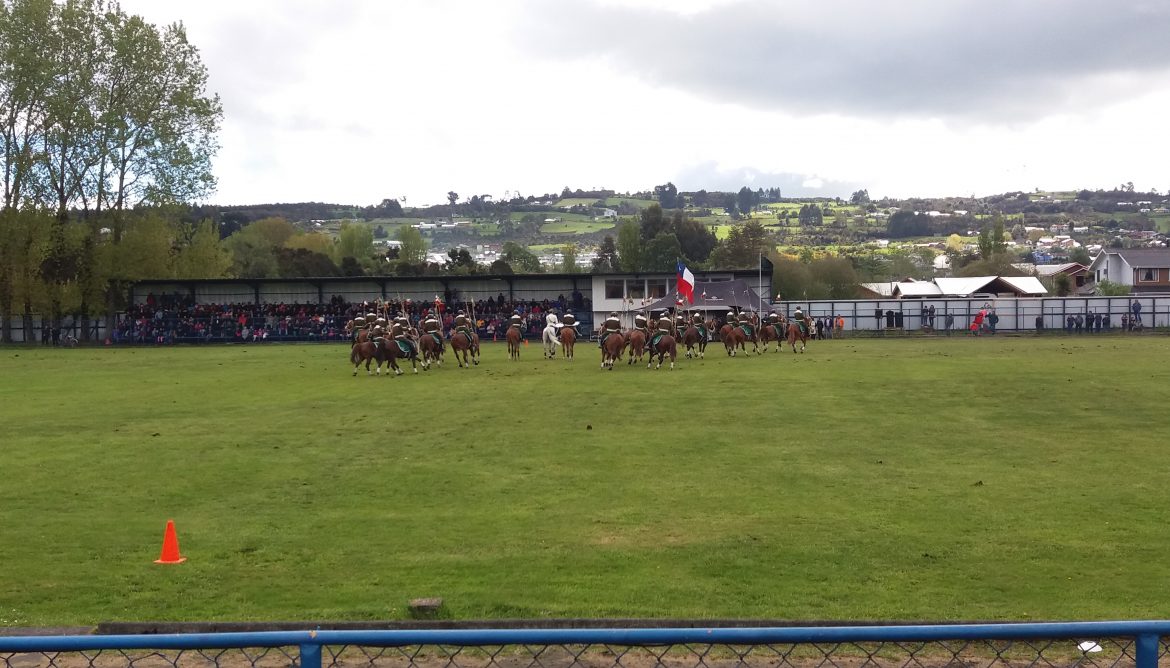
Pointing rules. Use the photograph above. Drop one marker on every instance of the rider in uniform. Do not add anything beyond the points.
(567, 320)
(517, 321)
(731, 319)
(745, 321)
(697, 321)
(463, 324)
(774, 321)
(641, 324)
(798, 316)
(612, 325)
(665, 325)
(432, 326)
(359, 323)
(400, 331)
(680, 324)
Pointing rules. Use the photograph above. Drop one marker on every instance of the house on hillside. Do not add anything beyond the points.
(1141, 269)
(1078, 275)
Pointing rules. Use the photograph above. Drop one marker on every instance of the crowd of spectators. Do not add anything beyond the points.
(168, 319)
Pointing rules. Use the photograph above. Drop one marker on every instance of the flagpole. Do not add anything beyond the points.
(760, 283)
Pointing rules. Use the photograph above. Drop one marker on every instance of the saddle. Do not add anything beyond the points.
(438, 339)
(406, 346)
(747, 330)
(657, 337)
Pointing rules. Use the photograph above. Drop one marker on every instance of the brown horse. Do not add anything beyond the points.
(432, 349)
(636, 341)
(461, 343)
(768, 334)
(693, 338)
(794, 333)
(611, 350)
(744, 338)
(663, 346)
(568, 339)
(732, 338)
(394, 352)
(514, 339)
(369, 351)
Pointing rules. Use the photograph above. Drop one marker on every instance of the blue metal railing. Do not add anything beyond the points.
(1146, 637)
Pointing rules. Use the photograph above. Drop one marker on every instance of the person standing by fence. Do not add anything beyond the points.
(1136, 307)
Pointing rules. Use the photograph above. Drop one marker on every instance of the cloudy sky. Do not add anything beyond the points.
(353, 101)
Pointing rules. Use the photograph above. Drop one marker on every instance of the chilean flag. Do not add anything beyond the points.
(686, 283)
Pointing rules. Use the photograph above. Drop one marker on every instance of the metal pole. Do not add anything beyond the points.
(310, 656)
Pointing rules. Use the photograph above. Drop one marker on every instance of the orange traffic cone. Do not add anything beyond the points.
(170, 548)
(525, 341)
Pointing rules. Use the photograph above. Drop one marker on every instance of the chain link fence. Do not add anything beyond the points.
(1108, 645)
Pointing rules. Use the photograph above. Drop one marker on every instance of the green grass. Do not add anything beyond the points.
(575, 227)
(937, 479)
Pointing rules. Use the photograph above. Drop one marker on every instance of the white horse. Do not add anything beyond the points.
(550, 338)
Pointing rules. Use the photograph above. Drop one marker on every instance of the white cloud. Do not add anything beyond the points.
(353, 101)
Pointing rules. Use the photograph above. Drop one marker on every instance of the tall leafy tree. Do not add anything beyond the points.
(569, 259)
(414, 247)
(355, 240)
(653, 222)
(629, 247)
(607, 255)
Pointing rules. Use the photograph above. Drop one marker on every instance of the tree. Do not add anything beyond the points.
(1062, 285)
(607, 257)
(569, 259)
(667, 196)
(1080, 255)
(746, 199)
(355, 240)
(905, 224)
(414, 248)
(203, 255)
(500, 268)
(742, 247)
(1111, 289)
(662, 253)
(459, 260)
(696, 239)
(859, 197)
(520, 258)
(304, 263)
(653, 222)
(629, 247)
(811, 216)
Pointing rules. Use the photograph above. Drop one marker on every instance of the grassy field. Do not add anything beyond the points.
(575, 227)
(934, 479)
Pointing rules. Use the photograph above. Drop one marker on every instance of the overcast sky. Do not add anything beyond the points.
(353, 101)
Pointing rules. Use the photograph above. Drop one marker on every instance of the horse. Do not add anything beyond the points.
(514, 339)
(768, 334)
(635, 339)
(611, 350)
(744, 338)
(432, 349)
(795, 332)
(568, 340)
(368, 351)
(691, 338)
(732, 338)
(549, 336)
(394, 352)
(664, 345)
(462, 343)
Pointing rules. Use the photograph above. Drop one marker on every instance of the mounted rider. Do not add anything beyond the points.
(697, 321)
(663, 326)
(568, 320)
(611, 326)
(433, 327)
(400, 332)
(680, 324)
(801, 320)
(642, 325)
(517, 321)
(774, 320)
(463, 324)
(355, 327)
(731, 319)
(745, 323)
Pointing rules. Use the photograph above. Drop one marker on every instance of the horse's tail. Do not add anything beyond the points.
(353, 354)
